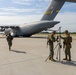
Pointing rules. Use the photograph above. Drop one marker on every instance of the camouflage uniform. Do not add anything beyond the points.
(51, 39)
(67, 46)
(9, 40)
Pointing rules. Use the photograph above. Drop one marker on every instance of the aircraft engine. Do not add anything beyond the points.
(2, 29)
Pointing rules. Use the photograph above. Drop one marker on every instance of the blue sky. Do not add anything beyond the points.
(25, 11)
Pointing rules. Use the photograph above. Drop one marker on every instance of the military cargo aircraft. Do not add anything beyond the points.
(47, 21)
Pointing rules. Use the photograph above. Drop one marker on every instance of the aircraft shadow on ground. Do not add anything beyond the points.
(18, 51)
(70, 63)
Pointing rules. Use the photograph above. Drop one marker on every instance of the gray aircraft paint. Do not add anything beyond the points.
(45, 22)
(37, 27)
(53, 9)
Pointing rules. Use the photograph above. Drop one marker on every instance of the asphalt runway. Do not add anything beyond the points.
(28, 57)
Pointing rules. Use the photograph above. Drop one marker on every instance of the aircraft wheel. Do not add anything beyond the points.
(16, 36)
(26, 35)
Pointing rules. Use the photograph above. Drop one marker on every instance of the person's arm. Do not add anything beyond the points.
(7, 38)
(53, 39)
(48, 38)
(47, 41)
(12, 37)
(62, 37)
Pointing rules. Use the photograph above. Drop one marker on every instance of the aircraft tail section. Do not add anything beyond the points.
(53, 9)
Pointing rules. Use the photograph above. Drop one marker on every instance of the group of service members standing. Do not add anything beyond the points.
(67, 40)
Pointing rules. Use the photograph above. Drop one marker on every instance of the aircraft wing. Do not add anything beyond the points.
(6, 27)
(2, 28)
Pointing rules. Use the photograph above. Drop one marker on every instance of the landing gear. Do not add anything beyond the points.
(22, 36)
(26, 35)
(16, 36)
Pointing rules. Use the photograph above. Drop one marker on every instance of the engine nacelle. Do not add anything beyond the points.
(2, 29)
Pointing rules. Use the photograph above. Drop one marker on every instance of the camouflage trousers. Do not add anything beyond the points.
(10, 44)
(51, 47)
(67, 52)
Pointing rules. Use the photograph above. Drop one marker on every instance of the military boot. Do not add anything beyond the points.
(52, 60)
(49, 57)
(9, 48)
(68, 59)
(65, 57)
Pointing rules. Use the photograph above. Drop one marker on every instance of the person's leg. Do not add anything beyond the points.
(65, 54)
(69, 54)
(10, 44)
(50, 53)
(9, 48)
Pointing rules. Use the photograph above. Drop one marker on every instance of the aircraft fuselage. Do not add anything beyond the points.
(32, 28)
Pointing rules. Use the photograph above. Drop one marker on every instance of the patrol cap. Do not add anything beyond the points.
(66, 31)
(9, 33)
(54, 32)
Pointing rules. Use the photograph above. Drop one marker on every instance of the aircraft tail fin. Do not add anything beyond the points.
(53, 9)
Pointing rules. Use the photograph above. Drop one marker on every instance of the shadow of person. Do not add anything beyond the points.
(71, 63)
(18, 51)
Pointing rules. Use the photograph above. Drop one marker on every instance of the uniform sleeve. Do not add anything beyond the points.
(11, 37)
(70, 39)
(53, 39)
(62, 37)
(7, 38)
(48, 38)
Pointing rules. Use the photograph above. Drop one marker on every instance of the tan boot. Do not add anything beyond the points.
(52, 60)
(49, 58)
(65, 59)
(69, 60)
(9, 48)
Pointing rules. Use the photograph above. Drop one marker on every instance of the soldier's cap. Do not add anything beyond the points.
(54, 32)
(66, 31)
(9, 33)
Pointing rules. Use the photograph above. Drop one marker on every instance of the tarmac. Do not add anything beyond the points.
(28, 57)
